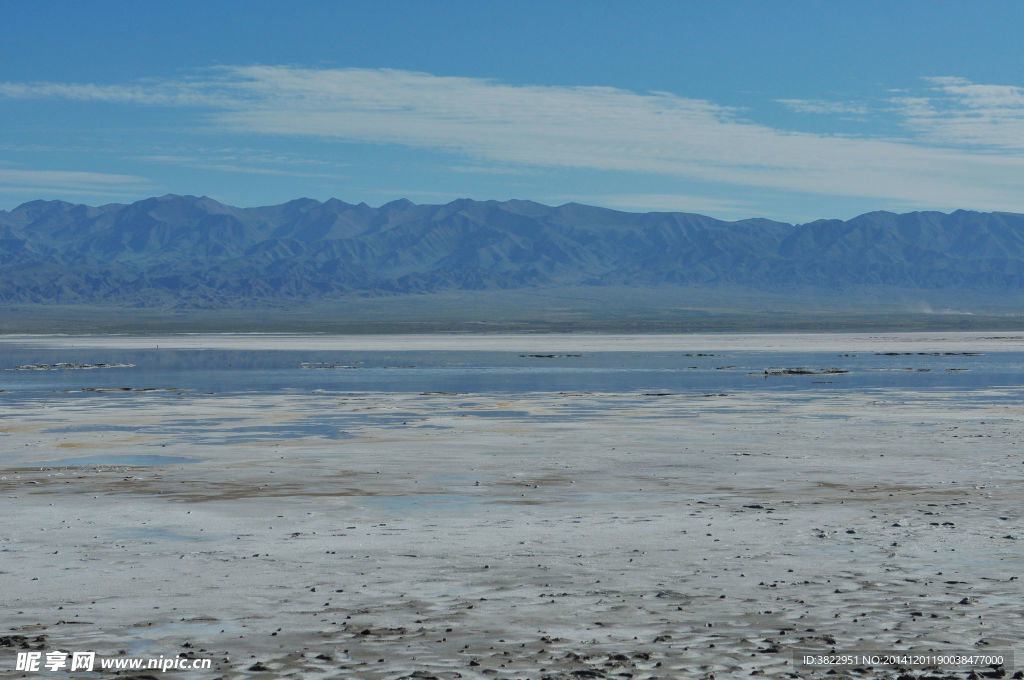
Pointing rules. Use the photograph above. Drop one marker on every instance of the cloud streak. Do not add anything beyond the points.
(824, 107)
(938, 164)
(70, 182)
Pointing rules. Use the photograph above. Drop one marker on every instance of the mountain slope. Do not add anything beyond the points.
(193, 251)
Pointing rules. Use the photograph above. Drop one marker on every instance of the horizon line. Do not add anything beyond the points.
(500, 202)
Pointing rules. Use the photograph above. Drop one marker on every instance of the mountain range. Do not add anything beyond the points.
(196, 252)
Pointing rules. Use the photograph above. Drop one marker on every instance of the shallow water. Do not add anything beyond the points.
(957, 362)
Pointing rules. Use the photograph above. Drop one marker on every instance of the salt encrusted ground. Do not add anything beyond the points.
(488, 536)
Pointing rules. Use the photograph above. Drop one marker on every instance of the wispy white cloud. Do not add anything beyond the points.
(161, 93)
(965, 114)
(608, 129)
(611, 129)
(975, 96)
(490, 169)
(824, 106)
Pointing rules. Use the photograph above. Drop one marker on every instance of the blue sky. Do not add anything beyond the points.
(788, 110)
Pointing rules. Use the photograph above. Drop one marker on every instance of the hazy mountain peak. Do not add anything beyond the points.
(398, 204)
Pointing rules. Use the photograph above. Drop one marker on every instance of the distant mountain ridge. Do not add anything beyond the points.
(191, 251)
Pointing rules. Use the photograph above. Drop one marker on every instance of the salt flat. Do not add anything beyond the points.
(545, 534)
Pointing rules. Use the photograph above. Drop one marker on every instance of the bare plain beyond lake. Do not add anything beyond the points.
(513, 506)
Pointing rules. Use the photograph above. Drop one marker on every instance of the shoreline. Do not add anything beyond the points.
(910, 341)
